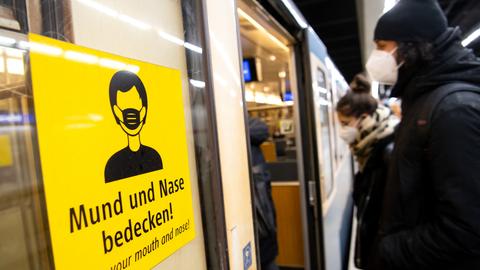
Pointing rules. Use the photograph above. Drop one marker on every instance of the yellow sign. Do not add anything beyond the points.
(114, 158)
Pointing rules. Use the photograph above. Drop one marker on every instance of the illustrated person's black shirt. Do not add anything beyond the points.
(126, 163)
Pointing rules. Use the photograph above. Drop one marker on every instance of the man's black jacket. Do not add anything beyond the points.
(431, 217)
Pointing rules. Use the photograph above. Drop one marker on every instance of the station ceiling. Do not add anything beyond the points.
(337, 24)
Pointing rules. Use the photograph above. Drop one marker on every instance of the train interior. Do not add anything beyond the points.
(267, 65)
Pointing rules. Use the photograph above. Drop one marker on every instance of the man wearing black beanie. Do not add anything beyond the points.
(431, 211)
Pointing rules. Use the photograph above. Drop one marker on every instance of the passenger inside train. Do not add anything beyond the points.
(286, 134)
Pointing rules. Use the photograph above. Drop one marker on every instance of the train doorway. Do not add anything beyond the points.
(269, 76)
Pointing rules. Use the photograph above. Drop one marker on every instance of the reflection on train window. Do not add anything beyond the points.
(13, 15)
(20, 211)
(323, 105)
(323, 124)
(340, 146)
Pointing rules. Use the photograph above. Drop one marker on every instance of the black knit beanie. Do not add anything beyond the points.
(412, 20)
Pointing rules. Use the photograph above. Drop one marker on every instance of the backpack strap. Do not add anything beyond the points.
(431, 102)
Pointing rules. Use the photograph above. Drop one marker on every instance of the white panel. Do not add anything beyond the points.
(231, 128)
(150, 37)
(369, 12)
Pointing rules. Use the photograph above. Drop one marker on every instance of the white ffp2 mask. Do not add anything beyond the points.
(348, 134)
(382, 67)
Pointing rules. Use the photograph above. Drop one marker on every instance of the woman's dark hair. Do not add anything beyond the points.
(414, 53)
(358, 99)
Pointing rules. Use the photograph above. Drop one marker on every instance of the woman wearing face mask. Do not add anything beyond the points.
(368, 128)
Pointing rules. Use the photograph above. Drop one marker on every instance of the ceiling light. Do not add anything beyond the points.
(197, 83)
(99, 7)
(192, 47)
(133, 68)
(272, 58)
(7, 41)
(109, 63)
(42, 48)
(134, 22)
(81, 57)
(170, 38)
(471, 38)
(261, 28)
(15, 66)
(282, 74)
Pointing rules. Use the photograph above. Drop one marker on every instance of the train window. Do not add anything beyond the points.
(23, 226)
(12, 15)
(323, 118)
(341, 146)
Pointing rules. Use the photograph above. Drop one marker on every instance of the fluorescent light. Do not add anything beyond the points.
(249, 96)
(113, 13)
(14, 52)
(11, 118)
(262, 29)
(192, 47)
(7, 41)
(95, 117)
(170, 38)
(104, 62)
(196, 83)
(15, 66)
(42, 48)
(296, 15)
(260, 98)
(133, 68)
(24, 45)
(81, 57)
(99, 7)
(134, 22)
(471, 38)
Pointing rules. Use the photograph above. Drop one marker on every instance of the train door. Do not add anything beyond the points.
(332, 174)
(269, 76)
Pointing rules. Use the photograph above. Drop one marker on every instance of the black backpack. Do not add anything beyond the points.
(432, 101)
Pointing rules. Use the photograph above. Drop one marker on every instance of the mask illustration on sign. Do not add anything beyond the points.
(383, 67)
(128, 100)
(131, 118)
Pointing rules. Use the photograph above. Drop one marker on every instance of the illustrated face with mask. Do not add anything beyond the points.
(382, 65)
(129, 111)
(348, 128)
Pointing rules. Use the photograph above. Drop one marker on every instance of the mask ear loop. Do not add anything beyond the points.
(359, 121)
(402, 63)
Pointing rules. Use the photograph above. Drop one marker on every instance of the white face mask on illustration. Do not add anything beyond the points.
(382, 67)
(348, 134)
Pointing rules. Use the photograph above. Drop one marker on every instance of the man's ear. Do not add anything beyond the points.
(143, 114)
(118, 113)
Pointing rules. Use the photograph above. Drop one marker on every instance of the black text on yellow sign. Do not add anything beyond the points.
(114, 157)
